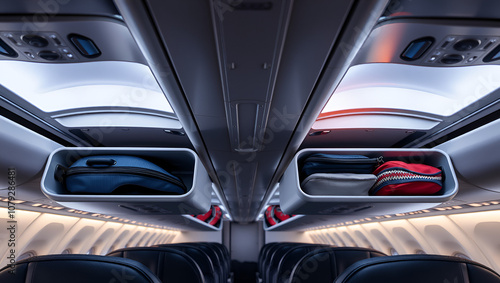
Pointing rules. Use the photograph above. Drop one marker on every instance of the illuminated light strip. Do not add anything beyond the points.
(423, 211)
(98, 215)
(169, 229)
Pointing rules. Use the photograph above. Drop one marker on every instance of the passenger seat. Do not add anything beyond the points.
(202, 259)
(418, 269)
(169, 265)
(216, 256)
(282, 273)
(77, 269)
(324, 265)
(273, 257)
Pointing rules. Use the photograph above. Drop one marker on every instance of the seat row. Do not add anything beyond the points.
(299, 262)
(185, 262)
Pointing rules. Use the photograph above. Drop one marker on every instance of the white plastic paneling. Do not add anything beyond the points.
(358, 234)
(19, 144)
(448, 238)
(385, 242)
(408, 237)
(100, 237)
(45, 232)
(75, 239)
(483, 228)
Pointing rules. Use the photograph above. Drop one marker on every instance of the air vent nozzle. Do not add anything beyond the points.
(494, 55)
(85, 45)
(417, 48)
(6, 50)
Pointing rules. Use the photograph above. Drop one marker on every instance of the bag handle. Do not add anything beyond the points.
(60, 173)
(101, 162)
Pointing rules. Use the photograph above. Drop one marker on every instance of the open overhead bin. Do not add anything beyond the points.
(182, 165)
(349, 199)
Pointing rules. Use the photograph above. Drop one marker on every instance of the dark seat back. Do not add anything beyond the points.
(263, 255)
(289, 260)
(418, 269)
(202, 259)
(274, 257)
(169, 265)
(77, 268)
(223, 253)
(325, 265)
(217, 262)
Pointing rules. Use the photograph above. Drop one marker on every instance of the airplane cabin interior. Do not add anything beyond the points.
(263, 141)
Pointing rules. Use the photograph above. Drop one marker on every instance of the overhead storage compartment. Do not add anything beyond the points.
(275, 217)
(180, 162)
(212, 220)
(294, 200)
(284, 225)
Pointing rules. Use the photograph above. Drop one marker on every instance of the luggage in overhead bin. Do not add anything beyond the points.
(118, 174)
(397, 178)
(212, 217)
(269, 216)
(279, 214)
(338, 184)
(204, 217)
(216, 216)
(338, 163)
(337, 174)
(274, 215)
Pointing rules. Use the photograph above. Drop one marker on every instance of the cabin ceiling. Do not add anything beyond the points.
(247, 71)
(247, 79)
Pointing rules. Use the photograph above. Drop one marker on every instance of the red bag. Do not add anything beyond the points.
(397, 178)
(279, 214)
(204, 217)
(212, 217)
(216, 217)
(269, 216)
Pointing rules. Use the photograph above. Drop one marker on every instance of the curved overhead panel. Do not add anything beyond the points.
(415, 79)
(247, 70)
(74, 81)
(485, 9)
(475, 156)
(59, 87)
(431, 91)
(22, 151)
(375, 120)
(249, 54)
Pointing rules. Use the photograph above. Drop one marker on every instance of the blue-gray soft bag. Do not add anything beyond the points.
(336, 163)
(118, 174)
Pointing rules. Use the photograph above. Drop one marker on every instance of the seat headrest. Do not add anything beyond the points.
(290, 259)
(418, 269)
(77, 268)
(169, 265)
(324, 265)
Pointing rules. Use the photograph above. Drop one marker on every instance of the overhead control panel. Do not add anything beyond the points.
(67, 40)
(433, 42)
(453, 50)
